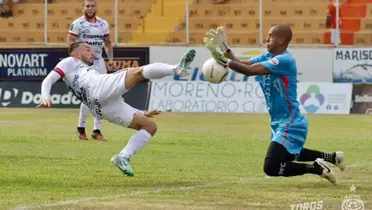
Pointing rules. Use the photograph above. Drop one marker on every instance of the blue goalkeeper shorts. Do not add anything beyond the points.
(291, 135)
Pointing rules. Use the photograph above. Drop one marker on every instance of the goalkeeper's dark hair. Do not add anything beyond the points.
(74, 46)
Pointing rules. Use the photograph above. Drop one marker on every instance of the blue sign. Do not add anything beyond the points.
(34, 64)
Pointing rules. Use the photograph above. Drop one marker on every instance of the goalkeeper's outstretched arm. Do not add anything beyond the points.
(229, 54)
(246, 69)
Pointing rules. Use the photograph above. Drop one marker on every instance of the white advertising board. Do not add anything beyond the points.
(244, 97)
(324, 98)
(352, 65)
(314, 65)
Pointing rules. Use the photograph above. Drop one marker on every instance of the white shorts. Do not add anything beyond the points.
(335, 36)
(108, 87)
(100, 66)
(118, 112)
(107, 102)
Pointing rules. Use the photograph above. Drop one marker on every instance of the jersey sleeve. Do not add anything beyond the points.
(257, 58)
(74, 28)
(281, 65)
(64, 66)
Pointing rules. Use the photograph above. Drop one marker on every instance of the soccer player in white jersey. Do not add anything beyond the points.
(94, 31)
(102, 94)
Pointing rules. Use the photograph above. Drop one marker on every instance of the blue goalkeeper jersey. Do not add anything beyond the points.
(279, 87)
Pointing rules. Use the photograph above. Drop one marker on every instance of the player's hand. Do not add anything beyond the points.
(152, 113)
(222, 60)
(45, 103)
(218, 38)
(111, 64)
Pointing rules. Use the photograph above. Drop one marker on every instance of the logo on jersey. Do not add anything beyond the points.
(6, 96)
(94, 36)
(313, 99)
(352, 202)
(274, 61)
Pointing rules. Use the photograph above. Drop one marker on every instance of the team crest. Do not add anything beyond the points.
(352, 202)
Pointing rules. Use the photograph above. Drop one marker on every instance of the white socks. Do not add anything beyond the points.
(136, 143)
(97, 124)
(84, 111)
(158, 70)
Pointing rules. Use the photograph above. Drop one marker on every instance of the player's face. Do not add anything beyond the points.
(90, 9)
(86, 54)
(273, 41)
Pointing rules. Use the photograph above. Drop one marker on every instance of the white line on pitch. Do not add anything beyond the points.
(159, 190)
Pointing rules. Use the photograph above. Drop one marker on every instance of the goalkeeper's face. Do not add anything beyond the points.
(278, 38)
(274, 41)
(271, 42)
(90, 9)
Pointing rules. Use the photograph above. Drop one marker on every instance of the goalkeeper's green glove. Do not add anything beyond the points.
(222, 60)
(218, 38)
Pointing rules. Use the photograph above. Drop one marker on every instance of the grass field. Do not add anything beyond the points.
(196, 161)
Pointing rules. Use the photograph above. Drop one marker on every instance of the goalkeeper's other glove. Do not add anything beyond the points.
(222, 60)
(218, 38)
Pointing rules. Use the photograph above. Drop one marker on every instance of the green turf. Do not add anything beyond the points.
(195, 161)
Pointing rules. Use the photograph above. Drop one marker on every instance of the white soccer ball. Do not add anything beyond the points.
(213, 72)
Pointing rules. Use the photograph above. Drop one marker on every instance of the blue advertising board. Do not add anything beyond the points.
(36, 63)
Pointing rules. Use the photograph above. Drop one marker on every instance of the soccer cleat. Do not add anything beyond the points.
(80, 132)
(327, 173)
(182, 67)
(97, 135)
(123, 164)
(340, 161)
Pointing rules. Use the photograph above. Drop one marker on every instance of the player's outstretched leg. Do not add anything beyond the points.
(146, 129)
(80, 132)
(96, 134)
(336, 158)
(160, 70)
(278, 162)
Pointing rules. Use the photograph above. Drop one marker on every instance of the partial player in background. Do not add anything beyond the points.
(331, 21)
(94, 31)
(276, 72)
(102, 93)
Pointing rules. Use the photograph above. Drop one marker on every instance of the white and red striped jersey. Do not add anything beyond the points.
(91, 32)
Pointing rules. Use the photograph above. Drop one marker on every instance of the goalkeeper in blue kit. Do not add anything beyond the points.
(276, 72)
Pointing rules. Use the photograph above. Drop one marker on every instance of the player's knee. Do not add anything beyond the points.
(148, 124)
(271, 167)
(151, 127)
(142, 122)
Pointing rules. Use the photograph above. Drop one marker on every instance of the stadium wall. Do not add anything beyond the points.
(340, 77)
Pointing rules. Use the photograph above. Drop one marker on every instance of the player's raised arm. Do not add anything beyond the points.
(246, 69)
(46, 86)
(218, 38)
